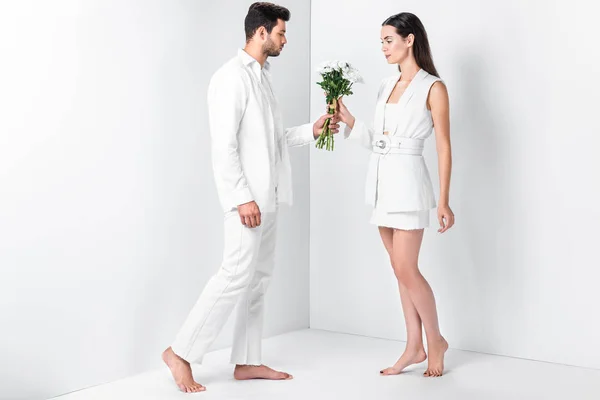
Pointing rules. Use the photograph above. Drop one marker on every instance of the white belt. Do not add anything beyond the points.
(384, 144)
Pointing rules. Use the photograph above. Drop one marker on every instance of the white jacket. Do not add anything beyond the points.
(398, 179)
(249, 145)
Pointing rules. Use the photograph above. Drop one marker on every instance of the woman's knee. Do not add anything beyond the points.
(405, 272)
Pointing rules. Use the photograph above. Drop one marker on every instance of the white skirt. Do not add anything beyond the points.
(400, 220)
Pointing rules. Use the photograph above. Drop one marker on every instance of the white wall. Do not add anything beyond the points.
(109, 221)
(519, 273)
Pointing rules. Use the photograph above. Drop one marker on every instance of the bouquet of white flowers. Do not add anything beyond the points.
(338, 78)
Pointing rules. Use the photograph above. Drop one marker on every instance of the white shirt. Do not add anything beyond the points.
(249, 144)
(264, 78)
(390, 116)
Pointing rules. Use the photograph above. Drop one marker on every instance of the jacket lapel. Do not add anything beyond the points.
(410, 89)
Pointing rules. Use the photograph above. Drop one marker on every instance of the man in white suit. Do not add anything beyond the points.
(253, 175)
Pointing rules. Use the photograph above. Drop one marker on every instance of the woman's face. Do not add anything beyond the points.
(395, 47)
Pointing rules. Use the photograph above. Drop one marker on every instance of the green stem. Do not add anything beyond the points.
(326, 138)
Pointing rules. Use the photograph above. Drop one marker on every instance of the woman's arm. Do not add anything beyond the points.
(357, 129)
(439, 105)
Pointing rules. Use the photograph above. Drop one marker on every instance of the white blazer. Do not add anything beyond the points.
(398, 179)
(249, 145)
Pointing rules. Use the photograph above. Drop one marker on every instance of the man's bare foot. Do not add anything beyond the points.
(182, 372)
(245, 372)
(436, 358)
(409, 357)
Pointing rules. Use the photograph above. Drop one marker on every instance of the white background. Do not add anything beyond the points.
(110, 224)
(109, 221)
(519, 273)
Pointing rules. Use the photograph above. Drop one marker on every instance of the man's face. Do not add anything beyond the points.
(276, 40)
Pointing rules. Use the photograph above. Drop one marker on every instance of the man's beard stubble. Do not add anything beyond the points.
(271, 50)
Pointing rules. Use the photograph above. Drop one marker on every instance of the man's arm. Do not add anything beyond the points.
(227, 98)
(307, 133)
(299, 135)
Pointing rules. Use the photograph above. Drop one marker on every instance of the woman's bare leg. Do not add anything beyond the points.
(405, 255)
(414, 352)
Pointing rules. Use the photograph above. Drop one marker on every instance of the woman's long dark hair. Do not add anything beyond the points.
(407, 23)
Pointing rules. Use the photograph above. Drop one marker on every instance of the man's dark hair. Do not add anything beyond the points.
(264, 14)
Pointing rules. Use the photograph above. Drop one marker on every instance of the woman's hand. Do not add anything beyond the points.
(445, 218)
(344, 114)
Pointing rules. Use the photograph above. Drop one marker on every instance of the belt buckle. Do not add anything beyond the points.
(383, 144)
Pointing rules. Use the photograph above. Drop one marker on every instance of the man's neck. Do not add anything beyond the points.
(257, 54)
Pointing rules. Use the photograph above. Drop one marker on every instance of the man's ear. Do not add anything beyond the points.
(262, 32)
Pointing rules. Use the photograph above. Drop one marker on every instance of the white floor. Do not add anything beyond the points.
(337, 366)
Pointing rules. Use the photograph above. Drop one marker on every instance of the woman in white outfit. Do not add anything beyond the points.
(408, 107)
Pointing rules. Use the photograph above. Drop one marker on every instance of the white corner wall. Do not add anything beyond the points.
(110, 225)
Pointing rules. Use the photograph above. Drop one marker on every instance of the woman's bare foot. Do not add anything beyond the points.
(436, 358)
(182, 372)
(245, 372)
(409, 357)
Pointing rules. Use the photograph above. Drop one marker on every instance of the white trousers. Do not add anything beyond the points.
(244, 275)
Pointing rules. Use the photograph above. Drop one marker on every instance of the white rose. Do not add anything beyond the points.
(324, 68)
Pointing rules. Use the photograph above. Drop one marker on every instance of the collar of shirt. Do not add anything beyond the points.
(251, 62)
